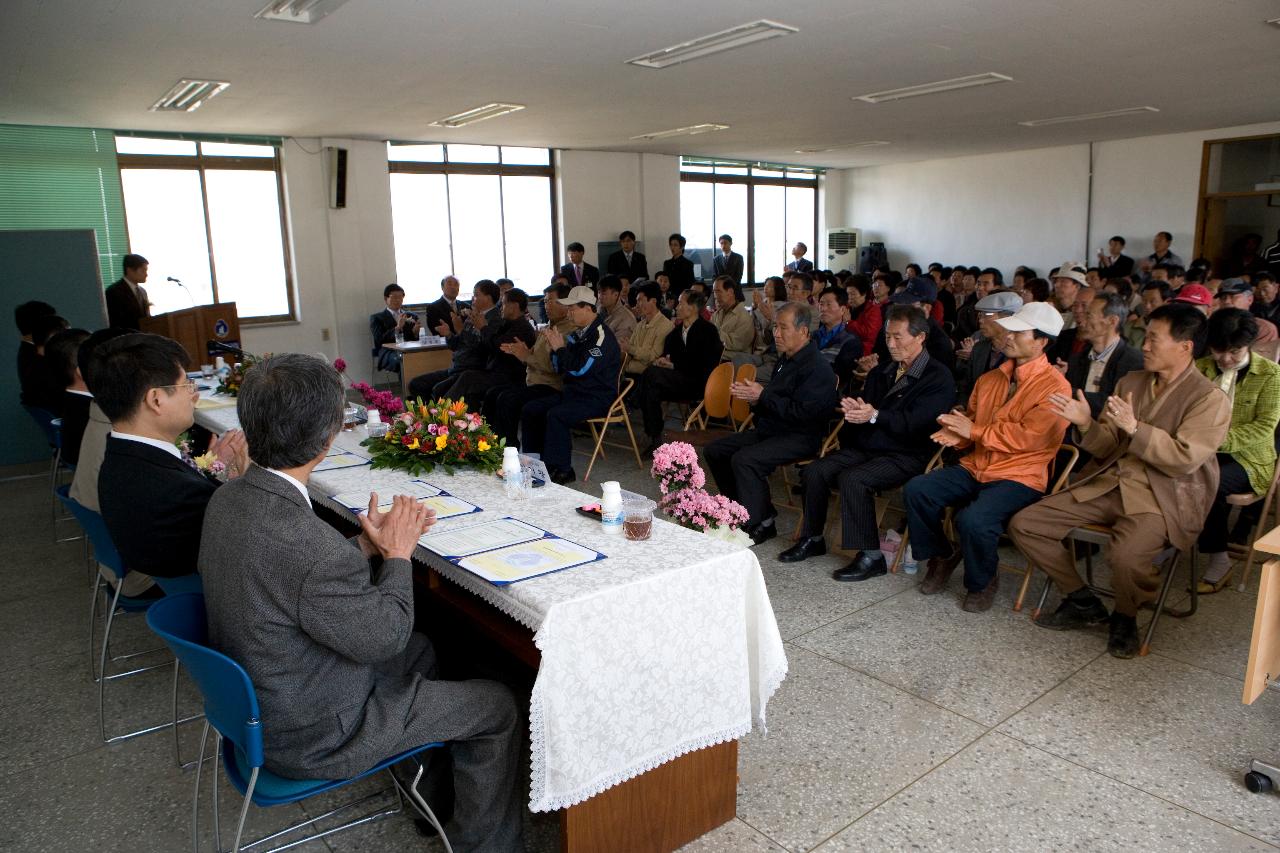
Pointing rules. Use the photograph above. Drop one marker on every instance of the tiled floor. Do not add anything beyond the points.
(904, 723)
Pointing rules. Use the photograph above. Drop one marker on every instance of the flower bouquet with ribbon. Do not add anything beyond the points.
(437, 433)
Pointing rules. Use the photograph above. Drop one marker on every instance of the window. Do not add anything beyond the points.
(766, 208)
(473, 211)
(211, 215)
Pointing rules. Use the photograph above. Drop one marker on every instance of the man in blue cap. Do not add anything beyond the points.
(921, 292)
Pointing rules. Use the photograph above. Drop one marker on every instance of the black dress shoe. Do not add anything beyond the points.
(1073, 614)
(1123, 642)
(803, 550)
(562, 476)
(762, 533)
(863, 568)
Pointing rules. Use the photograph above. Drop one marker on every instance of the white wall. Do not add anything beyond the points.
(1030, 207)
(602, 193)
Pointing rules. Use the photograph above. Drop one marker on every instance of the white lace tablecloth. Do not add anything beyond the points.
(668, 646)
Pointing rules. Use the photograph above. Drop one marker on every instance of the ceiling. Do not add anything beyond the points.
(386, 68)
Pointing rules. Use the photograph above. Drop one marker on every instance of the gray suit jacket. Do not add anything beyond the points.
(310, 619)
(84, 488)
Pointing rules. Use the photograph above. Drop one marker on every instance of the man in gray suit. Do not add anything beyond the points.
(324, 625)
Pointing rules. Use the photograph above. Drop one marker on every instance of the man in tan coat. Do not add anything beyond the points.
(1152, 480)
(649, 335)
(731, 319)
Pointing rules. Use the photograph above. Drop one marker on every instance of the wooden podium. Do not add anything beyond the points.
(195, 327)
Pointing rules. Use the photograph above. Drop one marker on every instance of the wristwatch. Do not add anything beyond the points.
(875, 414)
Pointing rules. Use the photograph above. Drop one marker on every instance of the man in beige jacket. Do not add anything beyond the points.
(1152, 480)
(731, 318)
(649, 335)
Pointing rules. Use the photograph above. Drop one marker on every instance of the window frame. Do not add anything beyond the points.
(499, 169)
(199, 162)
(751, 180)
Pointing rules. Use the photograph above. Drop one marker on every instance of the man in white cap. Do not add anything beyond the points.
(588, 359)
(1067, 281)
(1014, 434)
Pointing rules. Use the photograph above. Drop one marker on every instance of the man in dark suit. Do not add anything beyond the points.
(384, 325)
(578, 272)
(323, 625)
(446, 306)
(627, 262)
(729, 262)
(60, 356)
(151, 498)
(884, 442)
(1098, 367)
(1115, 263)
(127, 301)
(464, 337)
(25, 316)
(790, 417)
(501, 368)
(678, 268)
(692, 350)
(801, 263)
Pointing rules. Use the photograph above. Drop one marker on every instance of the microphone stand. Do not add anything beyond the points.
(184, 287)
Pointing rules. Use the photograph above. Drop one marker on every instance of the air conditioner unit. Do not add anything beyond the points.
(842, 248)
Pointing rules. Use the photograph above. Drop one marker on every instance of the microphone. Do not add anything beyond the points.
(184, 287)
(174, 280)
(219, 346)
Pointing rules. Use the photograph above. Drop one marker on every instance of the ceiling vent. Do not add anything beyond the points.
(729, 39)
(934, 88)
(189, 95)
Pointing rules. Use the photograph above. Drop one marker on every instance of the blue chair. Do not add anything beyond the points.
(231, 707)
(105, 554)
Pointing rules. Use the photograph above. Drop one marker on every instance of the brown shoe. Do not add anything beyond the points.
(980, 602)
(938, 573)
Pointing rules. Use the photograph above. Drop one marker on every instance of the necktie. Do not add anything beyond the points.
(577, 270)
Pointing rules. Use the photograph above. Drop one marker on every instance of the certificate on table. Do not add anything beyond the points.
(338, 460)
(357, 501)
(219, 401)
(447, 506)
(528, 560)
(474, 538)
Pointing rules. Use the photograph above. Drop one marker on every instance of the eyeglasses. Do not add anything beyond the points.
(189, 385)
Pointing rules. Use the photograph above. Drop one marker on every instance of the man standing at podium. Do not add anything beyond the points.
(127, 301)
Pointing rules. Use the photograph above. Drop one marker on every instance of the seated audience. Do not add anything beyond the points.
(323, 625)
(60, 355)
(127, 300)
(840, 347)
(1014, 435)
(1067, 281)
(1072, 340)
(502, 368)
(984, 282)
(616, 315)
(865, 317)
(1196, 295)
(504, 404)
(30, 368)
(466, 339)
(790, 421)
(93, 442)
(577, 271)
(650, 335)
(1151, 480)
(1106, 357)
(46, 383)
(884, 442)
(667, 302)
(1247, 457)
(921, 293)
(1114, 262)
(678, 268)
(985, 351)
(387, 323)
(1238, 293)
(588, 361)
(151, 498)
(732, 320)
(1153, 295)
(689, 354)
(446, 306)
(1265, 305)
(627, 262)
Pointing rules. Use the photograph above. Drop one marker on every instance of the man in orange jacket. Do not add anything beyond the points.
(1013, 433)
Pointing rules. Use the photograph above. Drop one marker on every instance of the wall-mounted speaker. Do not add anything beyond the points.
(337, 167)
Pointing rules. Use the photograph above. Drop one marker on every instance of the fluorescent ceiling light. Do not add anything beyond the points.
(1127, 111)
(189, 95)
(715, 43)
(298, 11)
(1275, 22)
(871, 143)
(477, 114)
(934, 88)
(691, 130)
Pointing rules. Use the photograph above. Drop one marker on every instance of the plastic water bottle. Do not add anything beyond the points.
(611, 507)
(422, 334)
(375, 427)
(511, 473)
(909, 565)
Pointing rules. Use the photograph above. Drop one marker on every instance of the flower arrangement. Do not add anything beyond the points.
(440, 432)
(686, 502)
(387, 403)
(208, 463)
(231, 382)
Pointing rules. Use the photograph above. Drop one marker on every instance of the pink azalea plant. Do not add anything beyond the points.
(387, 403)
(681, 481)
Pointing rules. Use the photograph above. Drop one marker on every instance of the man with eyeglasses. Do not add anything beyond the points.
(151, 497)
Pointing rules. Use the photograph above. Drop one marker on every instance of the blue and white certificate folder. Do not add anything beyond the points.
(444, 504)
(507, 550)
(339, 459)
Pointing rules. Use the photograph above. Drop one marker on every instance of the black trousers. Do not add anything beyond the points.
(859, 475)
(425, 385)
(1232, 480)
(474, 387)
(503, 405)
(741, 463)
(659, 384)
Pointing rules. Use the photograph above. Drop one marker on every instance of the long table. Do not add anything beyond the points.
(650, 664)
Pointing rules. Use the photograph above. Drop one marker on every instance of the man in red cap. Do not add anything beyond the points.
(1197, 295)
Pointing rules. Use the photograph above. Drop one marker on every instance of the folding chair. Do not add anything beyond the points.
(231, 708)
(617, 414)
(1269, 505)
(935, 462)
(715, 399)
(105, 554)
(740, 410)
(1063, 464)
